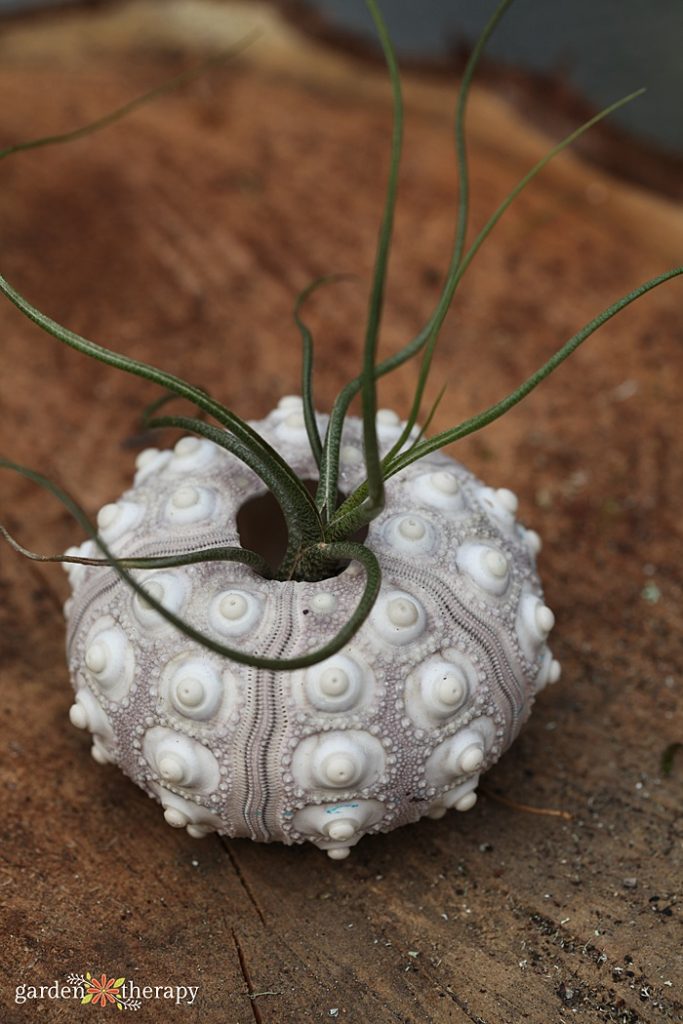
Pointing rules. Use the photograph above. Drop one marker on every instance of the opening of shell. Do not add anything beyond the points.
(262, 528)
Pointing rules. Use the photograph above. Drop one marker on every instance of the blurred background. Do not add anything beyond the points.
(596, 49)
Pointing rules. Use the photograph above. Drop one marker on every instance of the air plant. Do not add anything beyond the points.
(351, 685)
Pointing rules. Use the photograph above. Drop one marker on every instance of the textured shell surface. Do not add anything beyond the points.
(399, 724)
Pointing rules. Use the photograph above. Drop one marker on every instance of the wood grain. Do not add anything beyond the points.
(183, 237)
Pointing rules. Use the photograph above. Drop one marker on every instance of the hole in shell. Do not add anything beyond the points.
(262, 528)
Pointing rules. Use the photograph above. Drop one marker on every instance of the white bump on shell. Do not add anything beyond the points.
(337, 684)
(180, 761)
(438, 689)
(185, 497)
(292, 428)
(466, 802)
(233, 612)
(451, 689)
(508, 499)
(171, 768)
(350, 456)
(461, 797)
(411, 535)
(340, 769)
(233, 606)
(338, 852)
(471, 758)
(78, 717)
(186, 813)
(439, 490)
(290, 402)
(149, 462)
(342, 829)
(388, 426)
(189, 692)
(545, 618)
(496, 563)
(187, 446)
(486, 566)
(74, 571)
(529, 630)
(402, 612)
(107, 516)
(96, 657)
(388, 418)
(296, 421)
(169, 588)
(195, 688)
(114, 521)
(199, 831)
(192, 454)
(87, 713)
(497, 504)
(399, 617)
(338, 760)
(412, 528)
(555, 671)
(323, 603)
(98, 754)
(338, 823)
(445, 482)
(334, 682)
(175, 818)
(146, 457)
(109, 658)
(543, 675)
(462, 753)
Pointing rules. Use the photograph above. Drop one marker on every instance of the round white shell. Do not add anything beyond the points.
(398, 725)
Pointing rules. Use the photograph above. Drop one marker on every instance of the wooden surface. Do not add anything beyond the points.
(182, 237)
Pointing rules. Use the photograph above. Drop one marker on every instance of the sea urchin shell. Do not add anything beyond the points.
(399, 724)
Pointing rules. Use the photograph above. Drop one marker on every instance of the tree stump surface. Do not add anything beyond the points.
(182, 237)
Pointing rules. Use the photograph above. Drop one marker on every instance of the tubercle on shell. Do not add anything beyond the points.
(398, 725)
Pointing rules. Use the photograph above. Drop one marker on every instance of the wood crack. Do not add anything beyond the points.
(247, 978)
(225, 843)
(462, 1005)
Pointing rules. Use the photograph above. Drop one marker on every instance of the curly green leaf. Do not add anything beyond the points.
(332, 552)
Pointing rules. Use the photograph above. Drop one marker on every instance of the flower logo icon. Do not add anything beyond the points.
(103, 992)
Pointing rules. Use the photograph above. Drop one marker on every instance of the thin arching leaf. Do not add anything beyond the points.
(475, 423)
(330, 464)
(458, 272)
(184, 78)
(376, 302)
(331, 553)
(326, 497)
(218, 554)
(431, 414)
(298, 536)
(350, 515)
(307, 362)
(431, 331)
(153, 408)
(298, 507)
(462, 219)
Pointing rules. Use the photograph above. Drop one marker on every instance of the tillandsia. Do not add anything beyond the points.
(349, 685)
